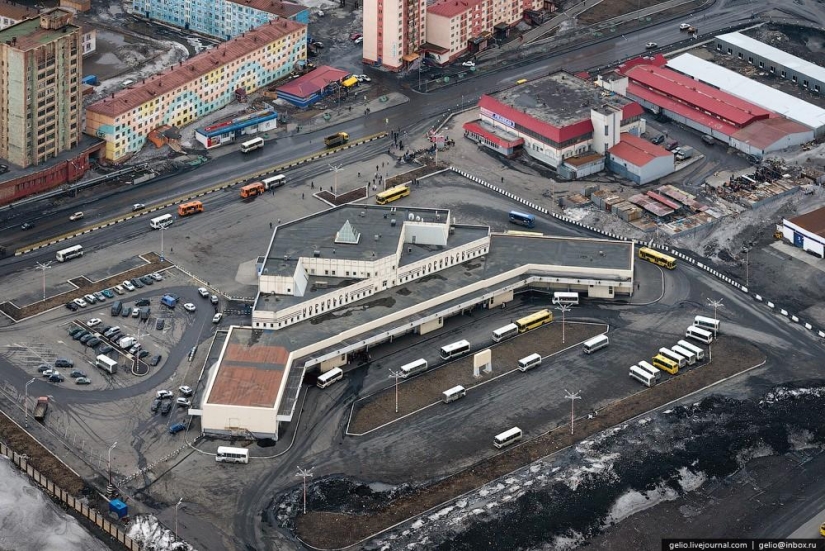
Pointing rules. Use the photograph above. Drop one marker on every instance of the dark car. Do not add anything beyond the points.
(87, 337)
(126, 312)
(79, 335)
(105, 349)
(670, 145)
(76, 373)
(147, 280)
(142, 302)
(160, 324)
(75, 330)
(137, 283)
(143, 353)
(155, 404)
(176, 428)
(27, 225)
(63, 362)
(155, 360)
(71, 306)
(93, 342)
(166, 408)
(56, 378)
(42, 368)
(658, 139)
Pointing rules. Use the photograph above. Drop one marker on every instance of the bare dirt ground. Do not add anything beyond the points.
(331, 524)
(426, 389)
(608, 9)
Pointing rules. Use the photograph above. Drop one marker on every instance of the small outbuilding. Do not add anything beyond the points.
(807, 232)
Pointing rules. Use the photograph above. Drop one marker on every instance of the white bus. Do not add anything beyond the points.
(678, 358)
(505, 332)
(507, 437)
(643, 376)
(252, 145)
(161, 221)
(595, 343)
(106, 363)
(274, 181)
(454, 350)
(529, 362)
(70, 253)
(657, 373)
(699, 334)
(453, 394)
(566, 298)
(412, 368)
(689, 355)
(232, 455)
(700, 354)
(709, 324)
(326, 379)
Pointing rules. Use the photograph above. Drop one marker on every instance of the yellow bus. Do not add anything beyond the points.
(392, 194)
(534, 320)
(665, 364)
(660, 259)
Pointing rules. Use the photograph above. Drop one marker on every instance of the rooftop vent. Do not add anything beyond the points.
(393, 222)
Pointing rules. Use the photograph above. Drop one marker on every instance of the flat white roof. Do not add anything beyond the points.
(775, 54)
(755, 92)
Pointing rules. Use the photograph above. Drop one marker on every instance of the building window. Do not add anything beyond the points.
(606, 130)
(783, 74)
(750, 60)
(761, 64)
(816, 88)
(740, 55)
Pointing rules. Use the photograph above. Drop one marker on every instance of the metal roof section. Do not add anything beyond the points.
(650, 205)
(637, 151)
(755, 92)
(813, 222)
(775, 54)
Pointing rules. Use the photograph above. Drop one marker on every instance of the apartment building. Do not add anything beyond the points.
(224, 19)
(11, 13)
(394, 31)
(40, 92)
(196, 87)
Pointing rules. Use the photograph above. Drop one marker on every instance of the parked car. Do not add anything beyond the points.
(359, 40)
(355, 36)
(164, 394)
(670, 145)
(657, 139)
(76, 216)
(94, 342)
(90, 299)
(186, 390)
(217, 318)
(71, 306)
(63, 362)
(138, 206)
(159, 324)
(94, 322)
(111, 331)
(684, 26)
(166, 408)
(214, 299)
(142, 354)
(76, 373)
(146, 280)
(99, 296)
(189, 307)
(155, 360)
(135, 312)
(105, 349)
(74, 330)
(48, 372)
(708, 139)
(43, 368)
(651, 45)
(203, 292)
(176, 428)
(128, 285)
(87, 337)
(126, 312)
(183, 402)
(108, 293)
(469, 63)
(142, 302)
(155, 405)
(83, 381)
(80, 302)
(56, 378)
(135, 348)
(156, 276)
(79, 335)
(136, 282)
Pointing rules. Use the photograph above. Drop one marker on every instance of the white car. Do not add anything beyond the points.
(164, 394)
(684, 26)
(118, 289)
(183, 402)
(90, 299)
(189, 307)
(468, 64)
(203, 292)
(156, 276)
(93, 322)
(128, 286)
(76, 216)
(217, 318)
(651, 45)
(80, 302)
(363, 78)
(186, 391)
(359, 40)
(138, 206)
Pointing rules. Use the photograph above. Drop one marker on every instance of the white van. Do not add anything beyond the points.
(453, 394)
(642, 376)
(596, 343)
(529, 362)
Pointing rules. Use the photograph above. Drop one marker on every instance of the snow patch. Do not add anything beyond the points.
(576, 214)
(148, 531)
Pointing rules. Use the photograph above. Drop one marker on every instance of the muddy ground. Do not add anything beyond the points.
(330, 521)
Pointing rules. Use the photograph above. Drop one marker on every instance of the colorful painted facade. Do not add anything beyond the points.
(196, 87)
(223, 19)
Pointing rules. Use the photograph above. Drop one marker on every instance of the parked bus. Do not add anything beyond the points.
(531, 361)
(678, 358)
(392, 194)
(570, 299)
(708, 324)
(326, 379)
(192, 207)
(699, 334)
(507, 437)
(534, 320)
(665, 364)
(412, 368)
(252, 145)
(232, 455)
(689, 355)
(106, 363)
(70, 253)
(657, 374)
(161, 221)
(274, 181)
(251, 190)
(509, 330)
(526, 220)
(453, 394)
(660, 259)
(596, 343)
(700, 354)
(642, 375)
(454, 350)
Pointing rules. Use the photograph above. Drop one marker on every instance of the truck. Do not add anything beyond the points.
(40, 408)
(339, 138)
(684, 152)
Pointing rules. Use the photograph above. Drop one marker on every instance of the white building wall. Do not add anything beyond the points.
(809, 241)
(657, 168)
(606, 130)
(370, 31)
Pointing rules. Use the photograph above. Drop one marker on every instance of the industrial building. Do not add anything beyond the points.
(41, 66)
(562, 121)
(638, 160)
(807, 232)
(196, 87)
(224, 19)
(335, 283)
(767, 97)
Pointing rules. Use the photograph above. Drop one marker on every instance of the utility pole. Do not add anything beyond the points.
(336, 170)
(716, 304)
(111, 488)
(747, 265)
(43, 266)
(572, 397)
(564, 308)
(305, 473)
(26, 405)
(176, 517)
(397, 375)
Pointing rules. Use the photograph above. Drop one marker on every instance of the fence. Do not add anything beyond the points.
(69, 500)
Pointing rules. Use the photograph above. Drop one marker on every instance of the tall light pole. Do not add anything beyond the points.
(572, 397)
(397, 375)
(716, 304)
(43, 266)
(111, 488)
(564, 308)
(336, 170)
(305, 473)
(162, 229)
(176, 517)
(747, 266)
(26, 405)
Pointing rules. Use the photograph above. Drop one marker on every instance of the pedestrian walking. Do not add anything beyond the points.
(270, 225)
(312, 184)
(302, 196)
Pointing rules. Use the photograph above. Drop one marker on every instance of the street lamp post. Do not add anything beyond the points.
(176, 517)
(716, 304)
(305, 473)
(397, 375)
(162, 229)
(26, 405)
(111, 488)
(336, 169)
(747, 266)
(564, 308)
(43, 266)
(572, 397)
